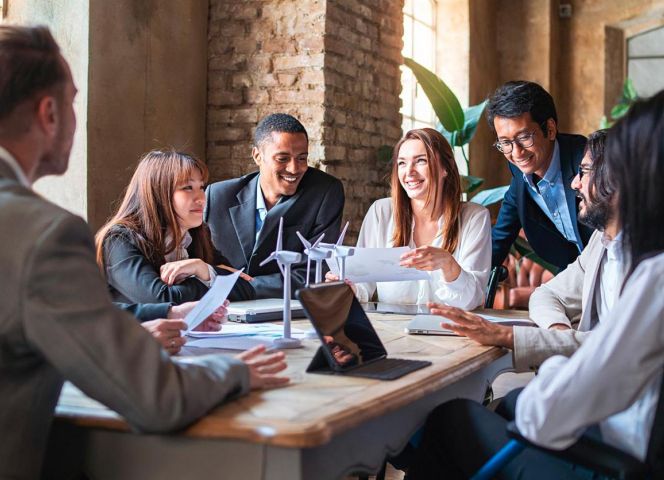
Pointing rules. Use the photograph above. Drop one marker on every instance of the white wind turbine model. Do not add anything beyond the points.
(340, 252)
(317, 254)
(285, 259)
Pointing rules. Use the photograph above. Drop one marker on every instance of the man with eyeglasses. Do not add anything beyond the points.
(543, 163)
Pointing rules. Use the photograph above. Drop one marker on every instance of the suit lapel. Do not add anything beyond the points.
(568, 173)
(243, 216)
(588, 300)
(271, 223)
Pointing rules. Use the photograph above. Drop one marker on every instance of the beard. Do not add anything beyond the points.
(596, 215)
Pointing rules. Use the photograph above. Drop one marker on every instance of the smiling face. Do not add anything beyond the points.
(535, 158)
(189, 201)
(413, 169)
(282, 163)
(594, 214)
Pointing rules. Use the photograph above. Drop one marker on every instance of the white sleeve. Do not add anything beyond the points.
(474, 258)
(370, 236)
(607, 374)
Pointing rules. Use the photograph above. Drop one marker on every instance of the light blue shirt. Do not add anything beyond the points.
(261, 209)
(551, 197)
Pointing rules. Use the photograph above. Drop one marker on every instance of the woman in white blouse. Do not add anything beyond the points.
(449, 239)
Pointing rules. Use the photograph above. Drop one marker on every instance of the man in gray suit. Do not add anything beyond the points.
(243, 213)
(57, 321)
(578, 296)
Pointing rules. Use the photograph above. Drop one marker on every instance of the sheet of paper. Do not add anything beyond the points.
(377, 265)
(240, 336)
(212, 300)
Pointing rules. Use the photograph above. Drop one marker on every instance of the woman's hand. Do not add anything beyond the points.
(331, 277)
(474, 327)
(214, 321)
(430, 258)
(176, 272)
(263, 368)
(167, 332)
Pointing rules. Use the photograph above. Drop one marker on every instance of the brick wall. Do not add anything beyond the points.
(363, 43)
(334, 64)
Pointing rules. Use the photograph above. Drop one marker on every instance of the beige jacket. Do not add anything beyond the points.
(57, 322)
(561, 300)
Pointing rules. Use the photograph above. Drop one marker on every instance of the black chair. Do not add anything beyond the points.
(498, 274)
(591, 453)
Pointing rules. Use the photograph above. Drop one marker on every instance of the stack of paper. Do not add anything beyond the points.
(239, 336)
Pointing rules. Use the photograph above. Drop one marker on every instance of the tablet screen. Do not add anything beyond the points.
(346, 333)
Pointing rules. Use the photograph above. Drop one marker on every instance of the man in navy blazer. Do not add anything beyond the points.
(543, 163)
(243, 213)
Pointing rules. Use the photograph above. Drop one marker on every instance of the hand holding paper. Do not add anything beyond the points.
(377, 265)
(213, 299)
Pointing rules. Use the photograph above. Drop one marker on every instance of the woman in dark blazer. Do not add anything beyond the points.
(156, 248)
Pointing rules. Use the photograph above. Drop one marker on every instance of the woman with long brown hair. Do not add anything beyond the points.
(156, 248)
(449, 239)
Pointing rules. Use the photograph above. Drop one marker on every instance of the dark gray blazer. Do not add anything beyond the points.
(57, 322)
(315, 208)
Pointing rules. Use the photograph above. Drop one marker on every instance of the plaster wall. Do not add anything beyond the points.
(147, 89)
(68, 20)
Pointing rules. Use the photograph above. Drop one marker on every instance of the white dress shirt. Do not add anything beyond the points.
(180, 253)
(614, 378)
(473, 253)
(9, 159)
(612, 272)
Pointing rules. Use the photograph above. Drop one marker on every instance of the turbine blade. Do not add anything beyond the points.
(303, 240)
(268, 259)
(281, 232)
(343, 234)
(322, 235)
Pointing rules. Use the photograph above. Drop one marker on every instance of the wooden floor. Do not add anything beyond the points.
(501, 386)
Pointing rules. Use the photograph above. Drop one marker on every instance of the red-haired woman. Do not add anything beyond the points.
(449, 239)
(156, 248)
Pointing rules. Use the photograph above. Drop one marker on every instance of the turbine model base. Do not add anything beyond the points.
(284, 342)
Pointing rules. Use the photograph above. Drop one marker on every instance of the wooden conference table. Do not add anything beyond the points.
(320, 426)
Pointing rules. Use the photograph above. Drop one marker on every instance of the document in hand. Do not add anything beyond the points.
(377, 265)
(212, 300)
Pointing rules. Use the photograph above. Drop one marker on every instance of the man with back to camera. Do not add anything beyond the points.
(543, 163)
(57, 320)
(243, 213)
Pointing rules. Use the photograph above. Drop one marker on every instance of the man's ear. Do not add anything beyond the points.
(47, 115)
(551, 129)
(257, 156)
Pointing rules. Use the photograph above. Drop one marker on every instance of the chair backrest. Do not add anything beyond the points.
(655, 454)
(498, 274)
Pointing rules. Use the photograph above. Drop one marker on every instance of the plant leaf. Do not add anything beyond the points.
(490, 196)
(629, 92)
(472, 117)
(469, 183)
(604, 123)
(444, 102)
(523, 247)
(619, 110)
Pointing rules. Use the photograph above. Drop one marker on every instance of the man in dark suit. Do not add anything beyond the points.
(543, 163)
(243, 213)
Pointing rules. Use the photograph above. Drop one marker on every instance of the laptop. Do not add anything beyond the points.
(430, 324)
(349, 343)
(262, 310)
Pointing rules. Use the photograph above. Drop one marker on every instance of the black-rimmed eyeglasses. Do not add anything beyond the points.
(583, 169)
(524, 140)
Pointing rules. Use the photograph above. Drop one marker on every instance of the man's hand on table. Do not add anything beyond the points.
(263, 368)
(474, 327)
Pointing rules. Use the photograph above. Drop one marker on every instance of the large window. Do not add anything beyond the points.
(419, 43)
(645, 61)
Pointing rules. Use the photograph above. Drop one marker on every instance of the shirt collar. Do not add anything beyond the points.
(180, 252)
(260, 200)
(13, 164)
(613, 246)
(553, 172)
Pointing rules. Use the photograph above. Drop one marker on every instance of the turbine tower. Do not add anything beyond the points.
(340, 252)
(285, 259)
